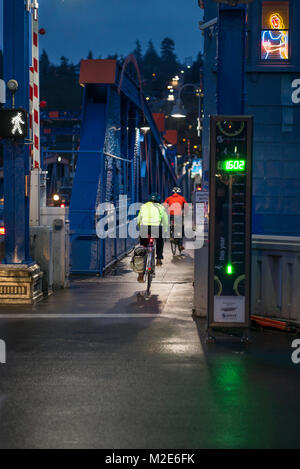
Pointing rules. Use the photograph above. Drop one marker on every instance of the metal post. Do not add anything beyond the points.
(20, 277)
(35, 189)
(16, 155)
(231, 60)
(230, 101)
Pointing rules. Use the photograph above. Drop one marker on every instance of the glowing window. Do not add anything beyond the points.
(275, 31)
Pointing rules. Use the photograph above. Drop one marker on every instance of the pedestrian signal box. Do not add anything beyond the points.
(13, 123)
(230, 221)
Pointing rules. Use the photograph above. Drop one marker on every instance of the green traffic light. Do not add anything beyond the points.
(229, 269)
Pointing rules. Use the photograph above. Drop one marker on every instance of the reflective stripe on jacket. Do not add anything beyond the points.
(153, 214)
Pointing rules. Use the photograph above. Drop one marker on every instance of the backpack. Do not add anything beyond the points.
(138, 260)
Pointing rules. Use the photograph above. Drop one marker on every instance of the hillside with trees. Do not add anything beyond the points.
(61, 90)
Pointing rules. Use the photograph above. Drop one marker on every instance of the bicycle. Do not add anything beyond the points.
(150, 263)
(176, 242)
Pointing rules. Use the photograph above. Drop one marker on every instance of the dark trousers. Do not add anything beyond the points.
(155, 232)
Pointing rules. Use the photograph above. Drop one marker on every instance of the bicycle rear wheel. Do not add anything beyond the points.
(149, 280)
(173, 247)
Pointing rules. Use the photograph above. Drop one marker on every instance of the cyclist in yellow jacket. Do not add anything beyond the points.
(153, 221)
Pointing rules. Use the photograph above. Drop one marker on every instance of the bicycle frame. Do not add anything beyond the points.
(175, 238)
(150, 263)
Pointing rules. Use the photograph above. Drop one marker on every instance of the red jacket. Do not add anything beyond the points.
(175, 204)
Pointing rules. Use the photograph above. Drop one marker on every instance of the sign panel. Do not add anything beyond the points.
(13, 123)
(229, 309)
(200, 212)
(196, 169)
(230, 221)
(2, 92)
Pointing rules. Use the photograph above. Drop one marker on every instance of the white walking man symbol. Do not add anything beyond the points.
(16, 122)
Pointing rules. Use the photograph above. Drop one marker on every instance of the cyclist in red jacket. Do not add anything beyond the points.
(175, 204)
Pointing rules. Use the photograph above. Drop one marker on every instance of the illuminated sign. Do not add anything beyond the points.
(13, 123)
(275, 33)
(196, 168)
(275, 45)
(230, 221)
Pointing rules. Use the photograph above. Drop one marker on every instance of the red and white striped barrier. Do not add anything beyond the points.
(35, 95)
(34, 108)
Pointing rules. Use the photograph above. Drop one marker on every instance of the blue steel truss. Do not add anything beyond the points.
(115, 158)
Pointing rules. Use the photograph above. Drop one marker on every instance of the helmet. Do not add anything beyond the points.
(176, 190)
(155, 197)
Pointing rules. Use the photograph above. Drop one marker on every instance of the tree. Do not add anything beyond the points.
(151, 61)
(168, 57)
(90, 55)
(167, 49)
(151, 71)
(64, 66)
(59, 84)
(44, 64)
(138, 52)
(112, 56)
(192, 75)
(151, 57)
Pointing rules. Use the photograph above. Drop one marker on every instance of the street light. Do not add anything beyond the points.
(145, 128)
(143, 125)
(179, 111)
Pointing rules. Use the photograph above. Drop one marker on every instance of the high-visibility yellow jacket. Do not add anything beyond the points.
(153, 214)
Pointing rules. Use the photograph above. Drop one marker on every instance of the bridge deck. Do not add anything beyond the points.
(96, 369)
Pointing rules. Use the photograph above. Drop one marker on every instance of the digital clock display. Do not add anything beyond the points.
(233, 165)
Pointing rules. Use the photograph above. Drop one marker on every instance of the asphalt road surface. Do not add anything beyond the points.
(94, 367)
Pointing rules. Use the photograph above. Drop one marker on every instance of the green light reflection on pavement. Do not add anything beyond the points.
(231, 397)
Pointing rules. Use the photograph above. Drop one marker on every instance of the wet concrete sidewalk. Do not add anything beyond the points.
(117, 293)
(171, 289)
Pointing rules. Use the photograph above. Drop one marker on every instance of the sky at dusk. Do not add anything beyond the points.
(111, 26)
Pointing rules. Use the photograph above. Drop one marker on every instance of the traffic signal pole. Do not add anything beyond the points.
(210, 287)
(20, 277)
(16, 154)
(230, 182)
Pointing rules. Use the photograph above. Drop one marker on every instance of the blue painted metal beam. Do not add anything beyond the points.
(16, 156)
(111, 162)
(231, 60)
(130, 89)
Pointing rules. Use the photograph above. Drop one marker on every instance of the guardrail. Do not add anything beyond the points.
(275, 274)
